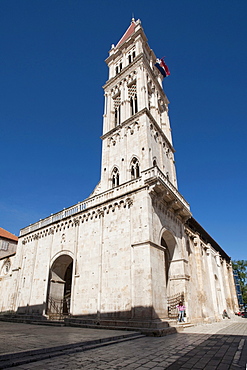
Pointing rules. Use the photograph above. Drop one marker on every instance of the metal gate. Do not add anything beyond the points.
(172, 302)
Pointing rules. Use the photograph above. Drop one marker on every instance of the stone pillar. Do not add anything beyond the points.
(234, 299)
(227, 284)
(222, 303)
(101, 246)
(125, 106)
(199, 269)
(209, 253)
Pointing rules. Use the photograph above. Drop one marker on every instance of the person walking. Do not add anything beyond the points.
(181, 311)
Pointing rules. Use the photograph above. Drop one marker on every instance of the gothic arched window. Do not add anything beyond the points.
(115, 177)
(134, 168)
(117, 110)
(133, 99)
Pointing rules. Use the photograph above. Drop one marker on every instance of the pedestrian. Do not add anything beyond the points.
(225, 314)
(181, 311)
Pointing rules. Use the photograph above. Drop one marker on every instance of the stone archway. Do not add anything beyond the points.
(60, 286)
(168, 242)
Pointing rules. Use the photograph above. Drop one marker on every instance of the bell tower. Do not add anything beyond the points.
(136, 129)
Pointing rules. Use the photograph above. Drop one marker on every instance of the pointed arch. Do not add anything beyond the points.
(134, 168)
(115, 177)
(168, 242)
(132, 92)
(60, 286)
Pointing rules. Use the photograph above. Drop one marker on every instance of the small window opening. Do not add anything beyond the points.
(117, 110)
(133, 99)
(135, 169)
(115, 177)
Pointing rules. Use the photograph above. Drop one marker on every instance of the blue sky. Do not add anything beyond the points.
(51, 104)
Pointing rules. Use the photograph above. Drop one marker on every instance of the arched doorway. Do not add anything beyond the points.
(168, 242)
(60, 285)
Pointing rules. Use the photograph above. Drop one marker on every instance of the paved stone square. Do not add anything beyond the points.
(220, 346)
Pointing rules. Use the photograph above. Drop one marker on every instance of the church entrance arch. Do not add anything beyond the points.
(60, 286)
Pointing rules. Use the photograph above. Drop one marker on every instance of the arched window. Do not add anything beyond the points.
(117, 110)
(133, 99)
(115, 177)
(134, 168)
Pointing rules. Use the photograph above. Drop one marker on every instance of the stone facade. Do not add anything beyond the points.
(8, 244)
(132, 249)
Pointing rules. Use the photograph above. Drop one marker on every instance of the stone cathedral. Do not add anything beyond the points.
(132, 250)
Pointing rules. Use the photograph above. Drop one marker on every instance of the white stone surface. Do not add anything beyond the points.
(129, 245)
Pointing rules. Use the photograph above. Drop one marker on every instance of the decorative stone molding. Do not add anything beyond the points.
(100, 212)
(76, 221)
(180, 277)
(51, 231)
(190, 234)
(129, 201)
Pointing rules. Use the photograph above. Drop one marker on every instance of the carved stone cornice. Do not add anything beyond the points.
(180, 277)
(129, 201)
(76, 221)
(190, 234)
(100, 212)
(51, 231)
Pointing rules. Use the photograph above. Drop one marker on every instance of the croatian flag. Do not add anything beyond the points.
(162, 67)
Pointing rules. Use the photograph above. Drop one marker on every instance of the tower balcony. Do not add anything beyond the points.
(167, 192)
(152, 178)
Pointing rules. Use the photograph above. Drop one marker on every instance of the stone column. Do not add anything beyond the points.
(209, 253)
(227, 284)
(125, 105)
(222, 303)
(232, 287)
(200, 289)
(101, 246)
(75, 271)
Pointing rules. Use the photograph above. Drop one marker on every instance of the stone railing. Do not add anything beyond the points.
(156, 172)
(96, 200)
(108, 195)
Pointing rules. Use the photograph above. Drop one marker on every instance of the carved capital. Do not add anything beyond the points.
(129, 201)
(51, 231)
(190, 234)
(100, 212)
(76, 221)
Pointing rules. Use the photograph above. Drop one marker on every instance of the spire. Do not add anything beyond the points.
(128, 33)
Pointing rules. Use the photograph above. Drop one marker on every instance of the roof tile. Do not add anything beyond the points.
(6, 234)
(128, 33)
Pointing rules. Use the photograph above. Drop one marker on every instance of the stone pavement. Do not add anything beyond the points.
(219, 346)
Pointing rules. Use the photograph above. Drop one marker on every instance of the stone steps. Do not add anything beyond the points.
(147, 327)
(149, 331)
(25, 357)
